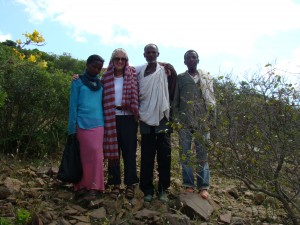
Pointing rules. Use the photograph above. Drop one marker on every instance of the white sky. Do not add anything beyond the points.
(214, 28)
(212, 25)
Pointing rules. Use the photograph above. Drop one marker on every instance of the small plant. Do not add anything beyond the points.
(4, 221)
(23, 217)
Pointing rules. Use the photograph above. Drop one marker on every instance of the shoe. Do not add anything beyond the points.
(129, 192)
(115, 192)
(91, 195)
(79, 194)
(163, 196)
(148, 198)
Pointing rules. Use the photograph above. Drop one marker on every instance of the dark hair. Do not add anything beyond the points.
(148, 45)
(94, 58)
(189, 51)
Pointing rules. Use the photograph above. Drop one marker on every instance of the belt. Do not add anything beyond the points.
(119, 108)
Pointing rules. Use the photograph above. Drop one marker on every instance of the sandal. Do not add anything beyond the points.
(115, 192)
(204, 193)
(90, 196)
(129, 192)
(79, 194)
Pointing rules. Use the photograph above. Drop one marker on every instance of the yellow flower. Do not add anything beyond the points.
(35, 37)
(21, 56)
(16, 51)
(27, 35)
(32, 58)
(43, 64)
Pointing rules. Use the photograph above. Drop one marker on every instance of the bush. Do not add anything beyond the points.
(258, 137)
(33, 116)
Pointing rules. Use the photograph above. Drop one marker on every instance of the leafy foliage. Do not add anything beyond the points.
(34, 98)
(258, 122)
(258, 137)
(23, 217)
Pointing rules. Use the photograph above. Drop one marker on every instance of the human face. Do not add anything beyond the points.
(119, 60)
(191, 60)
(94, 68)
(151, 53)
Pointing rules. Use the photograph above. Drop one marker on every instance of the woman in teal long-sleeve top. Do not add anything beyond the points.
(86, 109)
(86, 121)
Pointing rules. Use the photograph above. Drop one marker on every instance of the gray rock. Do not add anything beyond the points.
(62, 221)
(4, 192)
(225, 218)
(13, 185)
(175, 219)
(98, 213)
(259, 198)
(146, 213)
(194, 206)
(237, 221)
(84, 219)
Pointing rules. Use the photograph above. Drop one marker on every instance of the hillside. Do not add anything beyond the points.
(31, 186)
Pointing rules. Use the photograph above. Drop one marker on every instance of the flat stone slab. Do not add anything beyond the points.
(195, 206)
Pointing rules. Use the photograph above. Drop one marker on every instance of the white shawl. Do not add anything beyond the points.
(153, 96)
(207, 88)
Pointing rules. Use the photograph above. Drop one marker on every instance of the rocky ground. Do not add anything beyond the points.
(34, 189)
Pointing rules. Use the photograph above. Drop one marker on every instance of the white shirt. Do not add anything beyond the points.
(118, 82)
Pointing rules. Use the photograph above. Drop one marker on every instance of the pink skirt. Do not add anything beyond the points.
(91, 153)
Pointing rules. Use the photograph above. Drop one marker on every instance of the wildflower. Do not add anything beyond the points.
(21, 56)
(32, 58)
(43, 64)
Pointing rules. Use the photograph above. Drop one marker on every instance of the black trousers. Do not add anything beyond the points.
(151, 145)
(127, 140)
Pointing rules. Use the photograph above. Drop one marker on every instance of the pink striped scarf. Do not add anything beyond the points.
(129, 102)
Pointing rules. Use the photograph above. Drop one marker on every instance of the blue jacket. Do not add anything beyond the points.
(86, 109)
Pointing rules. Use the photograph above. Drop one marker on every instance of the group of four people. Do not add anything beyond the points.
(104, 115)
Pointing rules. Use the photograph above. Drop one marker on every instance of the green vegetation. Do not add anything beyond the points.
(34, 96)
(258, 134)
(257, 137)
(23, 217)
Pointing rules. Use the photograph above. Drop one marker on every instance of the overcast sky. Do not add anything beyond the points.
(229, 35)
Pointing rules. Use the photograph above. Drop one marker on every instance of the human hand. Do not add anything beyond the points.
(169, 68)
(75, 76)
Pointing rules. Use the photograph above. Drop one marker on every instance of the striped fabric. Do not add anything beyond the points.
(129, 102)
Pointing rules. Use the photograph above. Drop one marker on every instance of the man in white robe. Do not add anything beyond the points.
(156, 91)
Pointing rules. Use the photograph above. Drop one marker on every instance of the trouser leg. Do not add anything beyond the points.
(147, 163)
(164, 161)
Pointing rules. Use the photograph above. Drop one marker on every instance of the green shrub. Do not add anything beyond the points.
(4, 221)
(258, 136)
(33, 116)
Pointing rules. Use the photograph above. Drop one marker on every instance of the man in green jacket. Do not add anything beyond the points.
(194, 107)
